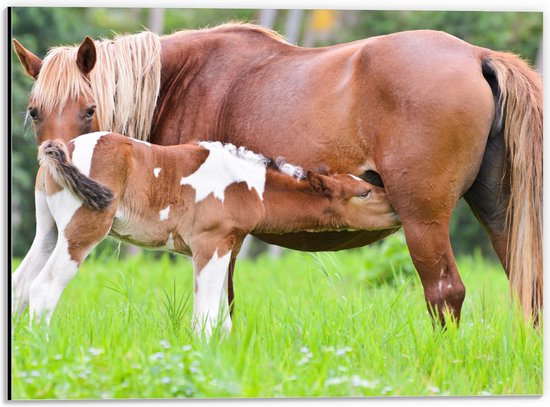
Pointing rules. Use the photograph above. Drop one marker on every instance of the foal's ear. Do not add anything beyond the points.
(86, 56)
(322, 183)
(31, 63)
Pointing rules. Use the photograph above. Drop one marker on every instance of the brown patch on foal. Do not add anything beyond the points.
(87, 228)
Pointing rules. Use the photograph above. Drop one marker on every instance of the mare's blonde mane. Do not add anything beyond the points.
(124, 84)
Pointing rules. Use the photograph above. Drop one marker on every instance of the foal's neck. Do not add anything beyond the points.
(292, 206)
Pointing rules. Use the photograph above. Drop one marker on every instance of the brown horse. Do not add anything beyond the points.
(430, 117)
(199, 200)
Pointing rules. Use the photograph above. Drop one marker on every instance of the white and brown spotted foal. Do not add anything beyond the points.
(195, 199)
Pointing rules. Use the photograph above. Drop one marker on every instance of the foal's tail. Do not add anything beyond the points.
(519, 113)
(53, 155)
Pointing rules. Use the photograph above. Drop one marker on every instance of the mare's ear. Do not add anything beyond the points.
(31, 63)
(86, 56)
(322, 183)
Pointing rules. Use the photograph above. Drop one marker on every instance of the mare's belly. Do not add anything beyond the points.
(325, 241)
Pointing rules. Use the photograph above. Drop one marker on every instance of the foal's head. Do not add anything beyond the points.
(360, 204)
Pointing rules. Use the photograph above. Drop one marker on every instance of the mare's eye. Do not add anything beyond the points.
(90, 112)
(33, 113)
(364, 195)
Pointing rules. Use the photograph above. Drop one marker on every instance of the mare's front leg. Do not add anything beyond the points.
(80, 230)
(41, 249)
(212, 260)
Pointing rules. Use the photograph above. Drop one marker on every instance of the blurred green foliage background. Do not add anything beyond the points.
(39, 28)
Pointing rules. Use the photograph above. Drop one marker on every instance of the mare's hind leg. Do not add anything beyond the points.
(80, 230)
(424, 189)
(431, 252)
(41, 249)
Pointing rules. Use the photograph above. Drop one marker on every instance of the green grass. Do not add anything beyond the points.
(304, 325)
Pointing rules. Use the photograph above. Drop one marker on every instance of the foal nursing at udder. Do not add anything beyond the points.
(195, 199)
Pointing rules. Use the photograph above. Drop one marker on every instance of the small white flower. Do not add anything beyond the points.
(58, 357)
(304, 349)
(165, 344)
(165, 380)
(157, 356)
(35, 373)
(187, 348)
(357, 381)
(433, 389)
(95, 351)
(387, 389)
(194, 367)
(303, 361)
(333, 381)
(343, 351)
(84, 374)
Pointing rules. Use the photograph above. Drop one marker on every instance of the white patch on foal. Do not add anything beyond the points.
(84, 150)
(226, 165)
(355, 177)
(59, 270)
(163, 213)
(156, 171)
(211, 301)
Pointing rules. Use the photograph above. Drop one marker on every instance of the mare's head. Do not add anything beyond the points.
(109, 85)
(359, 204)
(61, 101)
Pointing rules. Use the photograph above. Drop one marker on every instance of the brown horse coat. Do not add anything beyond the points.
(435, 117)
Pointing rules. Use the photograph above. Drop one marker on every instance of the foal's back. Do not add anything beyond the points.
(166, 196)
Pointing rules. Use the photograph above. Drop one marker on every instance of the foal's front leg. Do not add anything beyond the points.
(41, 249)
(211, 306)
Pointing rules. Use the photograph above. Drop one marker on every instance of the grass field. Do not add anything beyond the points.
(345, 324)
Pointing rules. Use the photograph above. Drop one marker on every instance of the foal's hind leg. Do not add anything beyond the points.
(41, 249)
(80, 230)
